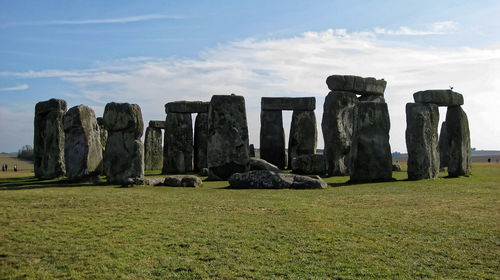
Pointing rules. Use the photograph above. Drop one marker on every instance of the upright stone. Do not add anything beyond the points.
(227, 136)
(370, 157)
(82, 146)
(337, 125)
(178, 144)
(49, 139)
(272, 138)
(153, 150)
(303, 135)
(457, 127)
(103, 133)
(422, 140)
(200, 141)
(444, 148)
(124, 155)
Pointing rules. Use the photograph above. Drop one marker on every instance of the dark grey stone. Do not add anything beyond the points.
(178, 144)
(186, 107)
(251, 150)
(260, 164)
(356, 84)
(309, 164)
(272, 138)
(153, 149)
(264, 179)
(200, 141)
(182, 181)
(422, 121)
(457, 126)
(337, 125)
(288, 103)
(49, 139)
(157, 124)
(303, 135)
(372, 98)
(444, 147)
(396, 167)
(227, 136)
(370, 156)
(440, 97)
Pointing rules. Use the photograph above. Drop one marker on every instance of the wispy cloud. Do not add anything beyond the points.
(436, 28)
(15, 88)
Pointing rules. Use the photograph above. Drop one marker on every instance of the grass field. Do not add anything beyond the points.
(442, 228)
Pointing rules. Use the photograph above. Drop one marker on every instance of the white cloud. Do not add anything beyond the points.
(436, 28)
(15, 88)
(298, 66)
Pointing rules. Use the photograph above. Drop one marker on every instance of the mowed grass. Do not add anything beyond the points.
(442, 228)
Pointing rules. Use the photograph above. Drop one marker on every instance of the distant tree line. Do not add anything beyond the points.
(26, 152)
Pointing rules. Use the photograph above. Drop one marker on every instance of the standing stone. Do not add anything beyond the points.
(103, 133)
(200, 141)
(309, 164)
(251, 150)
(444, 148)
(227, 136)
(457, 127)
(124, 154)
(337, 125)
(272, 138)
(82, 146)
(49, 139)
(422, 140)
(178, 144)
(370, 157)
(303, 135)
(153, 150)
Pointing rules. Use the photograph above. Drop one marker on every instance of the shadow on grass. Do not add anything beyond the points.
(26, 183)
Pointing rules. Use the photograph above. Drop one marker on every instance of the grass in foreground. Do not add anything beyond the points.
(443, 228)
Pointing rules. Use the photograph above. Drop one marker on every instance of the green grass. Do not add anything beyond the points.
(443, 228)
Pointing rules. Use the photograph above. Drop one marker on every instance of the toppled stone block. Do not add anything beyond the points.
(309, 164)
(186, 107)
(440, 97)
(288, 103)
(272, 138)
(459, 154)
(264, 179)
(356, 84)
(182, 181)
(153, 150)
(260, 164)
(157, 124)
(303, 135)
(178, 144)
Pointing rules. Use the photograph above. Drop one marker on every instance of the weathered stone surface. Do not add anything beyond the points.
(260, 164)
(457, 127)
(444, 147)
(288, 103)
(153, 150)
(82, 146)
(49, 139)
(178, 143)
(157, 124)
(124, 154)
(396, 167)
(200, 141)
(337, 125)
(303, 135)
(150, 181)
(422, 121)
(309, 164)
(264, 179)
(440, 97)
(227, 136)
(356, 84)
(272, 138)
(182, 181)
(370, 156)
(103, 133)
(251, 150)
(186, 107)
(372, 98)
(204, 172)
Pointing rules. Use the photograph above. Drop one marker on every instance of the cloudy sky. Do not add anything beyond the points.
(154, 52)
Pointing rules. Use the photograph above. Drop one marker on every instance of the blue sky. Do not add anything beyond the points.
(154, 52)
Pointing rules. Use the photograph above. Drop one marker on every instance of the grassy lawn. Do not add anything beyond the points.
(443, 228)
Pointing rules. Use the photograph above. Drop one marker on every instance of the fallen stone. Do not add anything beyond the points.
(82, 146)
(227, 136)
(444, 147)
(337, 125)
(440, 97)
(309, 164)
(153, 149)
(200, 141)
(157, 124)
(288, 103)
(150, 181)
(260, 164)
(370, 156)
(303, 135)
(356, 84)
(186, 107)
(272, 138)
(457, 127)
(264, 179)
(422, 121)
(182, 181)
(49, 139)
(178, 144)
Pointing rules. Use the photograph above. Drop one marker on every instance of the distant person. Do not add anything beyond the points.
(6, 167)
(489, 160)
(3, 167)
(15, 167)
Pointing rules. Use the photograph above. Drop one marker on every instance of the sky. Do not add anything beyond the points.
(154, 52)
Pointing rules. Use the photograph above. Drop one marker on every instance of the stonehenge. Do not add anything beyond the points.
(200, 141)
(458, 136)
(49, 139)
(153, 150)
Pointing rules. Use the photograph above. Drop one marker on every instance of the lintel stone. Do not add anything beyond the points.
(288, 103)
(186, 107)
(440, 97)
(157, 124)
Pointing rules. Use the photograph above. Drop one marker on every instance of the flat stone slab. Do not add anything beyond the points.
(288, 103)
(265, 179)
(182, 181)
(187, 107)
(356, 84)
(440, 97)
(157, 124)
